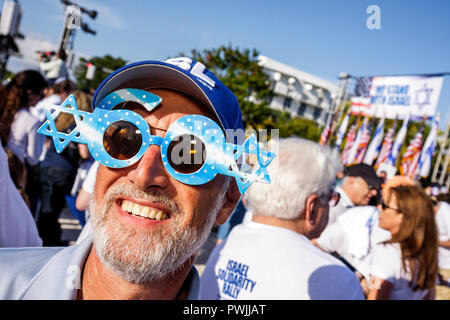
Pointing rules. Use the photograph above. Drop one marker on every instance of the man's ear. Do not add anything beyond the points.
(310, 209)
(232, 197)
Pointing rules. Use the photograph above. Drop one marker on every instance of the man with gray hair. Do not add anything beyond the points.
(272, 257)
(152, 207)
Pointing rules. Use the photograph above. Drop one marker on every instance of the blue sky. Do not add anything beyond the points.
(321, 37)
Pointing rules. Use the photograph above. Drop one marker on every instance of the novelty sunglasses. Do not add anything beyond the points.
(193, 150)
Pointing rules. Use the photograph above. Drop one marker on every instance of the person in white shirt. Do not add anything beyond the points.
(358, 186)
(442, 209)
(271, 257)
(18, 127)
(17, 227)
(405, 267)
(356, 232)
(55, 68)
(353, 236)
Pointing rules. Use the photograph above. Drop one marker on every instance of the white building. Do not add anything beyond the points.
(298, 92)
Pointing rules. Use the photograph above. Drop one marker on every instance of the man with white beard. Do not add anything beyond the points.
(150, 212)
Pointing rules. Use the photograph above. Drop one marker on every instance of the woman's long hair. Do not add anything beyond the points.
(14, 96)
(418, 236)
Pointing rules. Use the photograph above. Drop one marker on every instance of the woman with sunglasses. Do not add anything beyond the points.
(18, 129)
(405, 267)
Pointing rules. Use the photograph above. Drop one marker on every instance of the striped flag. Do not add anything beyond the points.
(341, 132)
(349, 143)
(411, 156)
(352, 153)
(363, 141)
(375, 144)
(387, 145)
(392, 159)
(326, 131)
(429, 147)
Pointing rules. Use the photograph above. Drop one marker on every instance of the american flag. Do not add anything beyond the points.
(351, 135)
(387, 145)
(411, 156)
(363, 142)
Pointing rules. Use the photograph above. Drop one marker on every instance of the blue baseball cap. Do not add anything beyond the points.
(182, 74)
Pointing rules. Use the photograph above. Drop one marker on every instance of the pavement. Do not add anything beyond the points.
(71, 229)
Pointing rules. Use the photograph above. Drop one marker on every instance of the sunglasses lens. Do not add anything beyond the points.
(186, 154)
(122, 140)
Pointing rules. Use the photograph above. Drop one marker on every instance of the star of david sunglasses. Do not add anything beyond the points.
(193, 150)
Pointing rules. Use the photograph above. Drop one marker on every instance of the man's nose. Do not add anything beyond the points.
(150, 171)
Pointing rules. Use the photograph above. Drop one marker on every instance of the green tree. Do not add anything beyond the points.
(103, 66)
(240, 72)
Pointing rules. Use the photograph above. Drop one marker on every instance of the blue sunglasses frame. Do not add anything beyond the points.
(221, 157)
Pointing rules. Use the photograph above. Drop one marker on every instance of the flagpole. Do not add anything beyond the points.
(338, 105)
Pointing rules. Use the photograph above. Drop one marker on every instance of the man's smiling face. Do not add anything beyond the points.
(179, 216)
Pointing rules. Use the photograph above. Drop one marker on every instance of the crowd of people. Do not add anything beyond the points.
(42, 176)
(308, 229)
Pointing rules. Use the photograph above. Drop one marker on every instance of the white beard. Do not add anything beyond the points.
(140, 257)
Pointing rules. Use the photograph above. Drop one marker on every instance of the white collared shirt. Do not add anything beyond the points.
(52, 273)
(343, 205)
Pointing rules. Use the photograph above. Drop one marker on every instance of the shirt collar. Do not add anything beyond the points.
(344, 200)
(60, 278)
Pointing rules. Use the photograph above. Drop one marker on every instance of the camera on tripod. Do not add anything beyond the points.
(46, 55)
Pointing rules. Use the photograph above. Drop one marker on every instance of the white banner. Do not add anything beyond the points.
(392, 97)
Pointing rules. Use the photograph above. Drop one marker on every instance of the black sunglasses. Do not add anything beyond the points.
(385, 206)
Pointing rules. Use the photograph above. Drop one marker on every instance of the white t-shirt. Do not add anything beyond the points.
(354, 235)
(55, 68)
(258, 261)
(443, 225)
(24, 141)
(17, 227)
(387, 265)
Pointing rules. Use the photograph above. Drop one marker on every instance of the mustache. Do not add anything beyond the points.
(152, 195)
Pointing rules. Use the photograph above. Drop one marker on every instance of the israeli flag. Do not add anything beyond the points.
(375, 144)
(398, 142)
(428, 149)
(342, 130)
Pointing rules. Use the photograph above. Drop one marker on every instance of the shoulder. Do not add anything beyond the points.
(19, 266)
(359, 212)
